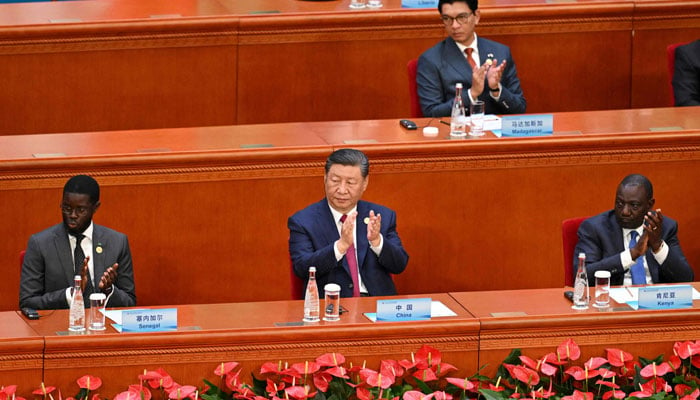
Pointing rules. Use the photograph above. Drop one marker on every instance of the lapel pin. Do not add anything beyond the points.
(366, 220)
(98, 249)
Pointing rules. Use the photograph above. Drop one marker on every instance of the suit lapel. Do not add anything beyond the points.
(64, 253)
(98, 262)
(457, 61)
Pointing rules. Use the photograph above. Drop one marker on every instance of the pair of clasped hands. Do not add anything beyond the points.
(651, 235)
(489, 73)
(374, 224)
(106, 281)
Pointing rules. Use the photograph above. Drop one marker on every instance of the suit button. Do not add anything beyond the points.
(350, 286)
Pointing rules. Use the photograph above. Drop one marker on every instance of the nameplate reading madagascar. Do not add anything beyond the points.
(149, 320)
(403, 309)
(527, 125)
(665, 297)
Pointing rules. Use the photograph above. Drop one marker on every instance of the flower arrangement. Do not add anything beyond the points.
(553, 376)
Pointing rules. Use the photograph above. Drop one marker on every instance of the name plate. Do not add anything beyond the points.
(149, 320)
(527, 125)
(419, 3)
(664, 297)
(403, 309)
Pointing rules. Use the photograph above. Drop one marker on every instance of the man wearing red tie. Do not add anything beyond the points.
(484, 68)
(351, 242)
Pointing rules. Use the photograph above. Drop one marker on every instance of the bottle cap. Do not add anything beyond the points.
(331, 288)
(581, 255)
(312, 269)
(458, 85)
(602, 274)
(98, 296)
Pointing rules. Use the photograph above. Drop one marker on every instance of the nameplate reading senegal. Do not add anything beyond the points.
(149, 320)
(665, 297)
(403, 309)
(419, 3)
(527, 125)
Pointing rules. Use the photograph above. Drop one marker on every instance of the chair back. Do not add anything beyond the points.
(297, 284)
(21, 258)
(671, 62)
(412, 68)
(569, 234)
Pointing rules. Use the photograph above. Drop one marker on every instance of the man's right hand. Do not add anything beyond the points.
(641, 247)
(84, 274)
(478, 80)
(347, 237)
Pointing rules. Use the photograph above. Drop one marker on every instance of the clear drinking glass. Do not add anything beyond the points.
(374, 3)
(602, 289)
(476, 118)
(357, 4)
(98, 301)
(332, 302)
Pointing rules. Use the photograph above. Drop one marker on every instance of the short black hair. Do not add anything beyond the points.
(350, 157)
(639, 180)
(472, 4)
(83, 184)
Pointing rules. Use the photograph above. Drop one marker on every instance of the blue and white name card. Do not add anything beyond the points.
(419, 3)
(665, 297)
(403, 309)
(527, 125)
(149, 320)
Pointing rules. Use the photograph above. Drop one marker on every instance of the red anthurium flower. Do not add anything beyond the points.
(11, 389)
(426, 375)
(539, 365)
(270, 367)
(427, 356)
(568, 350)
(322, 380)
(692, 396)
(548, 370)
(389, 368)
(128, 395)
(232, 381)
(330, 360)
(695, 360)
(595, 362)
(525, 375)
(617, 357)
(225, 368)
(542, 394)
(607, 383)
(496, 388)
(655, 370)
(641, 394)
(183, 392)
(89, 382)
(686, 349)
(363, 393)
(606, 373)
(674, 362)
(615, 394)
(42, 391)
(578, 395)
(96, 396)
(656, 386)
(681, 389)
(306, 368)
(416, 395)
(291, 372)
(444, 368)
(440, 395)
(298, 392)
(165, 381)
(581, 374)
(463, 384)
(515, 395)
(273, 387)
(552, 358)
(141, 390)
(529, 362)
(339, 372)
(376, 379)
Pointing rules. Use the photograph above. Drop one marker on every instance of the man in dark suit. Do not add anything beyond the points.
(492, 78)
(342, 231)
(607, 240)
(104, 256)
(686, 75)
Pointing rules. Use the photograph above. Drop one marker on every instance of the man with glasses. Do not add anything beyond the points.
(483, 67)
(636, 243)
(77, 247)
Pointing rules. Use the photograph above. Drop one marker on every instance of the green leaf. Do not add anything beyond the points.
(492, 394)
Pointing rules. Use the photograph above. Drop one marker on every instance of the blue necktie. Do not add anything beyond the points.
(637, 269)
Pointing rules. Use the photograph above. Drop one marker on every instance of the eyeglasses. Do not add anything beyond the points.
(78, 210)
(461, 18)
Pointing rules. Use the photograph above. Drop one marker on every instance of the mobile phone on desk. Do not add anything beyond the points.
(408, 124)
(30, 313)
(569, 295)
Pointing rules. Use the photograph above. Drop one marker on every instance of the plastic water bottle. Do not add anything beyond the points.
(581, 294)
(311, 302)
(459, 116)
(76, 317)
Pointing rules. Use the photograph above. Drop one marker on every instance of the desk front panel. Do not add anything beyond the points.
(537, 321)
(250, 333)
(21, 354)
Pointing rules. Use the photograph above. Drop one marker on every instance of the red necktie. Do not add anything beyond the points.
(469, 51)
(352, 263)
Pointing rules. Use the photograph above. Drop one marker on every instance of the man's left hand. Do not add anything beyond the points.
(108, 279)
(374, 228)
(653, 226)
(495, 72)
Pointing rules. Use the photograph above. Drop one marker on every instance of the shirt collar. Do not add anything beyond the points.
(626, 232)
(337, 214)
(471, 46)
(87, 232)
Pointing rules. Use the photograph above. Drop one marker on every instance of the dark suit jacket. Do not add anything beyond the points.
(444, 65)
(686, 75)
(600, 237)
(312, 233)
(48, 268)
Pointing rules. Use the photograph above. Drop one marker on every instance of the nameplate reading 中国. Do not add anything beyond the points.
(149, 320)
(527, 125)
(403, 309)
(665, 297)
